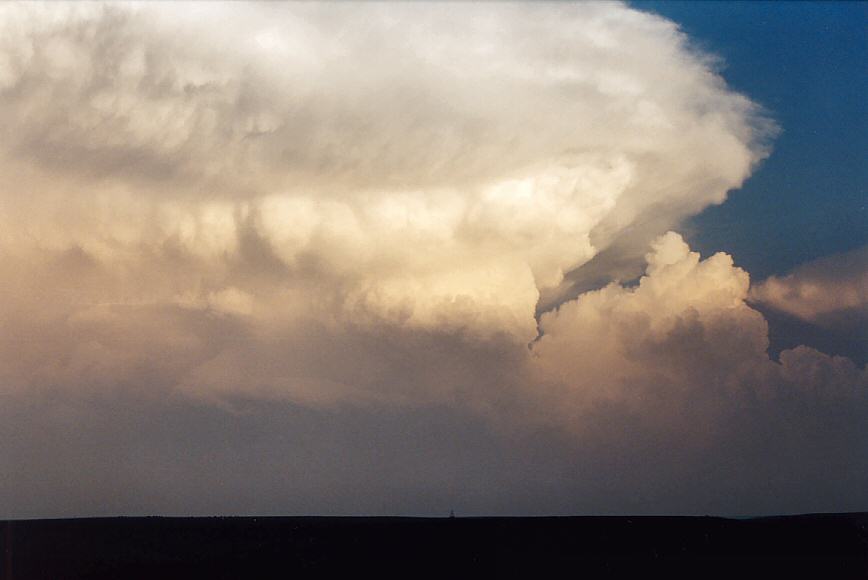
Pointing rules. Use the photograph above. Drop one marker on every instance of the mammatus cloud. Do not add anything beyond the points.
(352, 212)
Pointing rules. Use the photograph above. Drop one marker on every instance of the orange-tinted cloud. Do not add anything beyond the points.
(355, 210)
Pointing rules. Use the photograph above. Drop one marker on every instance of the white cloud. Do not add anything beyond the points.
(441, 166)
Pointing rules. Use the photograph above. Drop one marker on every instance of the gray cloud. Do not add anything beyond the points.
(821, 288)
(823, 303)
(658, 397)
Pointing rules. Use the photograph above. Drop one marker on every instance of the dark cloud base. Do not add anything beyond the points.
(123, 456)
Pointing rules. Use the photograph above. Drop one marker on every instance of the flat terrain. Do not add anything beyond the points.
(821, 546)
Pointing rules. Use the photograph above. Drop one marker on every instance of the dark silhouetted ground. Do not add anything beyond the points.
(819, 546)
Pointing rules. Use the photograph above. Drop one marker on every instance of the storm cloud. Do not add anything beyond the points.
(296, 263)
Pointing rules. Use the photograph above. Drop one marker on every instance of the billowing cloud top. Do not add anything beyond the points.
(436, 166)
(359, 206)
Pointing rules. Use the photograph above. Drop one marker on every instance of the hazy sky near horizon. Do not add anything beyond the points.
(406, 258)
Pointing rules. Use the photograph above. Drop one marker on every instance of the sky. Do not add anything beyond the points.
(501, 259)
(801, 61)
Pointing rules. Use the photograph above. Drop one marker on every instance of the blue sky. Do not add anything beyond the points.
(805, 63)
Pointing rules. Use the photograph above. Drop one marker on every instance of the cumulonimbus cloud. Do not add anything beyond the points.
(437, 168)
(360, 207)
(685, 331)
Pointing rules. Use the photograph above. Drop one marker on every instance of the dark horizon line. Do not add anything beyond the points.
(833, 514)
